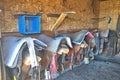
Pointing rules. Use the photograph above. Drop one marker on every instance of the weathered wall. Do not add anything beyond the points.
(109, 8)
(1, 24)
(85, 10)
(1, 15)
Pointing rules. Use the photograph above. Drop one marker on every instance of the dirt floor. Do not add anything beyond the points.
(96, 70)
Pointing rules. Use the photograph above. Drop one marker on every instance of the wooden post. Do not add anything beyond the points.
(3, 69)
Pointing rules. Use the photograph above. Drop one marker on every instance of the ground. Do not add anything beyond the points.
(96, 70)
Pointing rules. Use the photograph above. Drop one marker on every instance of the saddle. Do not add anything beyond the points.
(13, 48)
(118, 27)
(97, 41)
(103, 37)
(112, 41)
(78, 37)
(56, 45)
(118, 46)
(77, 40)
(118, 34)
(108, 40)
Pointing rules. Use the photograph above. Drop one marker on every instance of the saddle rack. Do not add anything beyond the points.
(60, 19)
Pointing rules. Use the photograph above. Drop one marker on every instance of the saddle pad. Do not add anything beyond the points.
(78, 37)
(53, 43)
(9, 44)
(104, 34)
(12, 48)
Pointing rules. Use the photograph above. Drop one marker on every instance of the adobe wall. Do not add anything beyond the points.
(85, 10)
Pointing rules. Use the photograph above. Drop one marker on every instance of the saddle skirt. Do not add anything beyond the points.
(53, 43)
(12, 46)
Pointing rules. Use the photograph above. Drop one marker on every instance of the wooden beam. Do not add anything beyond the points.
(58, 22)
(60, 19)
(57, 14)
(48, 33)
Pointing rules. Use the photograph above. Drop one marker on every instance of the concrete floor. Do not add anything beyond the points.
(96, 70)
